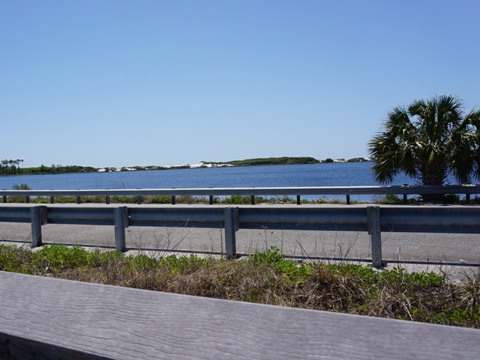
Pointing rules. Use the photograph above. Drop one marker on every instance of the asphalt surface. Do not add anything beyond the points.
(422, 249)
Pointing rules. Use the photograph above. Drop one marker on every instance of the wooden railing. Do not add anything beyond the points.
(44, 318)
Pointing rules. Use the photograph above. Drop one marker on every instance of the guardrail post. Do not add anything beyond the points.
(121, 222)
(52, 199)
(405, 200)
(174, 200)
(252, 199)
(231, 226)
(298, 200)
(210, 199)
(78, 200)
(373, 218)
(467, 198)
(348, 199)
(4, 198)
(39, 218)
(107, 199)
(27, 199)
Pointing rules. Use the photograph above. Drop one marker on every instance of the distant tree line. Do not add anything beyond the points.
(58, 169)
(274, 161)
(10, 167)
(287, 161)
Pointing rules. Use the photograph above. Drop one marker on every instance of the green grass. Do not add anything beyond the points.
(266, 277)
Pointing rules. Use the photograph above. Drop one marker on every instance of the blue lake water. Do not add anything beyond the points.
(332, 174)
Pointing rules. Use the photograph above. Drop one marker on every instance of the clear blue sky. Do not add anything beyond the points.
(156, 82)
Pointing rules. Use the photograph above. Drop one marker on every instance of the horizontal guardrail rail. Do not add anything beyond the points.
(371, 219)
(318, 218)
(346, 191)
(194, 217)
(16, 214)
(441, 219)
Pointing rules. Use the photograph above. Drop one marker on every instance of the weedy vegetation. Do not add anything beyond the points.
(230, 200)
(266, 277)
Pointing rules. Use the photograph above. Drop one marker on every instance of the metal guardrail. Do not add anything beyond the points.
(346, 191)
(371, 219)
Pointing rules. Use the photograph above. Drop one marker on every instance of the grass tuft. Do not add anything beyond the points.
(266, 277)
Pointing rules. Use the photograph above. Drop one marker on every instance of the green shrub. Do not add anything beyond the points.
(65, 199)
(160, 199)
(19, 199)
(58, 257)
(123, 199)
(15, 259)
(267, 277)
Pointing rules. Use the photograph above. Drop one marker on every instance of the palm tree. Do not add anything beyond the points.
(428, 141)
(11, 167)
(18, 161)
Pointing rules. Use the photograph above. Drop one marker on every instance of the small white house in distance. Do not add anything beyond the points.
(208, 165)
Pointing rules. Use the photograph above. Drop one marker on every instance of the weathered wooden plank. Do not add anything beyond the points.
(119, 323)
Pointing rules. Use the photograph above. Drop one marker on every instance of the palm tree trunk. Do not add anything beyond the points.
(433, 174)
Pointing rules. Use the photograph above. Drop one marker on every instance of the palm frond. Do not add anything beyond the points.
(426, 141)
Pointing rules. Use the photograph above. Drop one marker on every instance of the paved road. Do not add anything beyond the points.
(419, 248)
(444, 248)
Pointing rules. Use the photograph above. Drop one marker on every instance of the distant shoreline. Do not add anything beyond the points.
(12, 170)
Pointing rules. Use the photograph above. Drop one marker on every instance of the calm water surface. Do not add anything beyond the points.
(333, 174)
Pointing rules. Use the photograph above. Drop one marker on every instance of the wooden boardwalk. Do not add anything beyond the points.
(45, 318)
